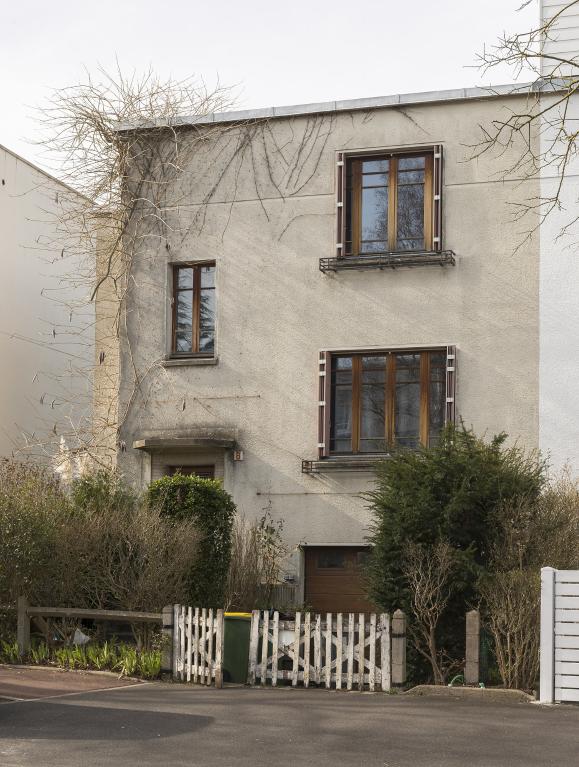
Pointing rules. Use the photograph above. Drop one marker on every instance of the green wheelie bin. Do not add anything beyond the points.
(236, 647)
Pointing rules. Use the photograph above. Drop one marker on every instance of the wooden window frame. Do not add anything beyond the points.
(196, 266)
(432, 199)
(325, 402)
(190, 470)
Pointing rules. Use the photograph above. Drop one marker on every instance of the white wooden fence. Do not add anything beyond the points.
(198, 645)
(559, 635)
(338, 650)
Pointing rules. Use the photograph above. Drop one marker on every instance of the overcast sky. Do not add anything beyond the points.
(276, 52)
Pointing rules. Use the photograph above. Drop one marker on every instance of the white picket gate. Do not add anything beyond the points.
(336, 650)
(559, 635)
(198, 645)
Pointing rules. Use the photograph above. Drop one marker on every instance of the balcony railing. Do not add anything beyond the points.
(346, 463)
(404, 260)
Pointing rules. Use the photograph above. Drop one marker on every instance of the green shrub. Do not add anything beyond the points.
(101, 545)
(212, 509)
(446, 493)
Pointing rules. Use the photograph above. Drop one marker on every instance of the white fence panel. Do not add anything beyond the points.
(198, 645)
(559, 635)
(330, 650)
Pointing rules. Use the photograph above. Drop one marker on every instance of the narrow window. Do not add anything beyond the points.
(194, 310)
(388, 201)
(386, 399)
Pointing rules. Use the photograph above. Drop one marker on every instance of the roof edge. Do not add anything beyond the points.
(349, 105)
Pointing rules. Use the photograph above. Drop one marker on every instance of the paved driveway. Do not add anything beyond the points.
(172, 725)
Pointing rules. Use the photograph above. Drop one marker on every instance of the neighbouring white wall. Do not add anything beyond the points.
(559, 266)
(563, 39)
(45, 349)
(559, 315)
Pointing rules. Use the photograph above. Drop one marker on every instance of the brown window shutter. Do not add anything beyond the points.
(437, 199)
(324, 374)
(340, 201)
(450, 384)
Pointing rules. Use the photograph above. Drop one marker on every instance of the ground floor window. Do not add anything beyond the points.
(205, 472)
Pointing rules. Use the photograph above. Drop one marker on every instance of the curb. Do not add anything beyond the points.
(490, 695)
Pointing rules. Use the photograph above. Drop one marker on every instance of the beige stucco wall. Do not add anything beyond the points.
(276, 310)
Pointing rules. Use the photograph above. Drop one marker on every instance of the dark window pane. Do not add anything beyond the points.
(437, 367)
(206, 342)
(373, 362)
(437, 397)
(410, 217)
(341, 420)
(378, 246)
(207, 321)
(334, 560)
(185, 277)
(410, 163)
(342, 363)
(438, 358)
(375, 166)
(207, 276)
(184, 310)
(374, 376)
(375, 214)
(342, 377)
(207, 310)
(407, 367)
(373, 445)
(373, 412)
(407, 413)
(183, 342)
(375, 179)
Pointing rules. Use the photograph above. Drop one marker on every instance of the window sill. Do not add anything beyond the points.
(343, 464)
(178, 362)
(404, 260)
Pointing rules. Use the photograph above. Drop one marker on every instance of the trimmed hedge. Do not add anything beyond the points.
(212, 508)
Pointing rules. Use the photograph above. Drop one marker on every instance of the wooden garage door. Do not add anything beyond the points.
(334, 580)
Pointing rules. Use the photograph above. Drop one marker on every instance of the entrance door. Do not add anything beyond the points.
(334, 579)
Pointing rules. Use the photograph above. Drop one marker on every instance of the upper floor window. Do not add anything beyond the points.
(194, 310)
(389, 202)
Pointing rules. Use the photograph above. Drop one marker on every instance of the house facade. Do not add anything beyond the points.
(333, 281)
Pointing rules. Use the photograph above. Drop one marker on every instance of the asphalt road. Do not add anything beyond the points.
(172, 725)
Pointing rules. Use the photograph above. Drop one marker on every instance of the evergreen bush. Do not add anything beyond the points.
(449, 492)
(205, 502)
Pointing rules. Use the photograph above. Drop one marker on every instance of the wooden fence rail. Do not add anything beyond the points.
(344, 651)
(198, 645)
(26, 612)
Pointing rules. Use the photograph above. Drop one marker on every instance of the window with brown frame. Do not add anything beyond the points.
(389, 202)
(379, 400)
(193, 310)
(204, 472)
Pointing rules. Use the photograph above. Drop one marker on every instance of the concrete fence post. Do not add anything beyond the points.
(23, 627)
(167, 641)
(472, 653)
(398, 648)
(547, 653)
